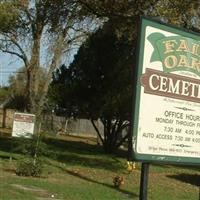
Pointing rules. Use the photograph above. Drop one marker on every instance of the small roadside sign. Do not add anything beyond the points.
(23, 125)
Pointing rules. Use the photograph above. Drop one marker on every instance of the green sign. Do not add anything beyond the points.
(166, 124)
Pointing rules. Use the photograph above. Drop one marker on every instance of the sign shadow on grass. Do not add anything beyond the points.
(78, 175)
(193, 179)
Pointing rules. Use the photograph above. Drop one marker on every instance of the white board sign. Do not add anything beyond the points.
(23, 125)
(167, 106)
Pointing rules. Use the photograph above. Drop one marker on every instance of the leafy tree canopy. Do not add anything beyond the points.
(98, 84)
(40, 33)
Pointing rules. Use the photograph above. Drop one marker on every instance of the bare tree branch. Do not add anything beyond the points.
(24, 57)
(13, 53)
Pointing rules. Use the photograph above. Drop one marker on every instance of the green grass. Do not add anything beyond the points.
(77, 169)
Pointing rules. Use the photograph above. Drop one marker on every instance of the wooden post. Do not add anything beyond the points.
(144, 181)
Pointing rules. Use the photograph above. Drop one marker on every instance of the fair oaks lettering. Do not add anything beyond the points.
(176, 53)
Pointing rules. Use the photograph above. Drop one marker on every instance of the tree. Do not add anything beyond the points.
(17, 88)
(98, 84)
(4, 94)
(126, 13)
(33, 30)
(26, 26)
(61, 95)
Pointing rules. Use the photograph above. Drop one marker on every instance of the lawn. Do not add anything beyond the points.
(76, 168)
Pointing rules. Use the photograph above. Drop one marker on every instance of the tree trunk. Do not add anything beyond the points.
(97, 130)
(36, 97)
(112, 135)
(55, 62)
(32, 69)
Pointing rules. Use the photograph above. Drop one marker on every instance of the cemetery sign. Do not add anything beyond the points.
(167, 105)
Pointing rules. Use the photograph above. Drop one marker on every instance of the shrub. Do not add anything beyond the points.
(29, 167)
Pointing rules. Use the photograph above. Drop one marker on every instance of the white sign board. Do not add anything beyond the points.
(167, 107)
(23, 125)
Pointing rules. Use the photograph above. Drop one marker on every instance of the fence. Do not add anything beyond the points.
(6, 118)
(55, 124)
(62, 125)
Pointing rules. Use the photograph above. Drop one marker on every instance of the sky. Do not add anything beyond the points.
(8, 66)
